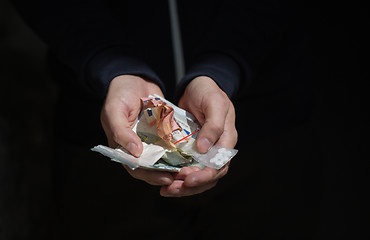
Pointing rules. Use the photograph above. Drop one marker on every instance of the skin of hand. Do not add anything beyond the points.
(119, 114)
(202, 97)
(216, 113)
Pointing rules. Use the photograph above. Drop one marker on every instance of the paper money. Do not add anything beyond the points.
(157, 113)
(168, 134)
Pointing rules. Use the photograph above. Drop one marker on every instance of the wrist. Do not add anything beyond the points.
(207, 84)
(139, 85)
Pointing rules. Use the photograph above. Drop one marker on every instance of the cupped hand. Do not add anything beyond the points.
(215, 112)
(119, 114)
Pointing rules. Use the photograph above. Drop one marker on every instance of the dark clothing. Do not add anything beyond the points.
(250, 49)
(99, 40)
(254, 50)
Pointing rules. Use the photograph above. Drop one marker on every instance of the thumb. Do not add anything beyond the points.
(118, 130)
(129, 140)
(215, 114)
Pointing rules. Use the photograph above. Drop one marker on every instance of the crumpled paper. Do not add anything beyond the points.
(168, 134)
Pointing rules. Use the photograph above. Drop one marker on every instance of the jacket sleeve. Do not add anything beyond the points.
(83, 35)
(242, 35)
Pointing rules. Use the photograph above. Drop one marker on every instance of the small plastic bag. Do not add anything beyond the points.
(163, 153)
(216, 157)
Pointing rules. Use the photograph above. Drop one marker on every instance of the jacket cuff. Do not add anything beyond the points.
(221, 68)
(113, 62)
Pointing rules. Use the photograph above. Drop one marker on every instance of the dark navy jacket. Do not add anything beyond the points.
(252, 49)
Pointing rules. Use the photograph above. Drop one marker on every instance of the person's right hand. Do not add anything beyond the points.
(119, 114)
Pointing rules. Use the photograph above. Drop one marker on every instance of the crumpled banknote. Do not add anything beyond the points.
(168, 134)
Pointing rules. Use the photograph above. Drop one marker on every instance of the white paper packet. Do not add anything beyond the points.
(216, 157)
(151, 154)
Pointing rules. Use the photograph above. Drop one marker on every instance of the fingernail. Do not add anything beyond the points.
(204, 144)
(166, 181)
(193, 183)
(175, 191)
(132, 148)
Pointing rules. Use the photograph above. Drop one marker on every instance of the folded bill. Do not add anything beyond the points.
(168, 134)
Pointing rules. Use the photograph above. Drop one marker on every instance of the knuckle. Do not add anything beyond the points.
(217, 129)
(221, 101)
(224, 103)
(104, 116)
(234, 135)
(140, 176)
(152, 178)
(108, 107)
(153, 183)
(116, 137)
(224, 171)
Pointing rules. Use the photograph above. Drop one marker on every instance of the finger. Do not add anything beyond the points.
(205, 176)
(178, 189)
(215, 112)
(196, 182)
(185, 171)
(229, 137)
(119, 128)
(152, 177)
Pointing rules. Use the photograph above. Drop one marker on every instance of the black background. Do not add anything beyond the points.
(340, 78)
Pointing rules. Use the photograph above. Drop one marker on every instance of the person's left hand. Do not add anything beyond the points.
(215, 112)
